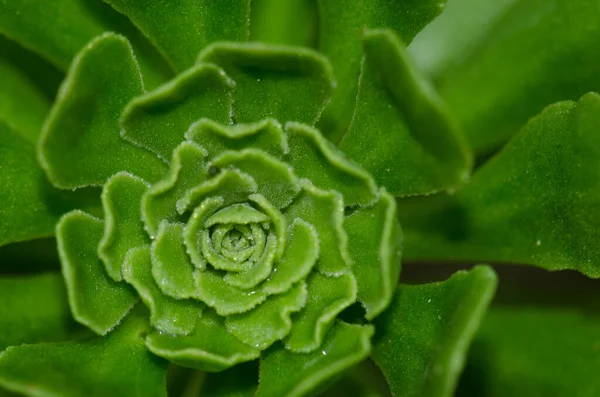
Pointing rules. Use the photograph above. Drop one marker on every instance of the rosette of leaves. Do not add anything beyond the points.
(224, 179)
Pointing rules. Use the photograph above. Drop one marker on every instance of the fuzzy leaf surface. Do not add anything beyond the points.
(534, 203)
(341, 24)
(116, 365)
(60, 29)
(422, 340)
(400, 124)
(81, 143)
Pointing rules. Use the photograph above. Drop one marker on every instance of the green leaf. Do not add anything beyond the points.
(123, 227)
(172, 268)
(266, 135)
(324, 210)
(158, 120)
(534, 352)
(274, 178)
(534, 203)
(280, 82)
(73, 24)
(401, 125)
(29, 206)
(270, 321)
(115, 365)
(23, 105)
(168, 315)
(375, 243)
(299, 258)
(188, 169)
(529, 55)
(96, 300)
(327, 297)
(209, 348)
(292, 375)
(231, 184)
(423, 338)
(34, 309)
(80, 144)
(317, 160)
(291, 22)
(180, 30)
(341, 25)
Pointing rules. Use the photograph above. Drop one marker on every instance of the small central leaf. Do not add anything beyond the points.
(237, 213)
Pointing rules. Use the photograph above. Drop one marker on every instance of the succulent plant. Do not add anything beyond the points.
(220, 195)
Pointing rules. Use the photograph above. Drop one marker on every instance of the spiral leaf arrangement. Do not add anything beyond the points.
(233, 232)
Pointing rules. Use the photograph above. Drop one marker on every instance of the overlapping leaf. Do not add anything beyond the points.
(535, 203)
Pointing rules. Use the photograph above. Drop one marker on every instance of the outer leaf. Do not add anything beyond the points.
(317, 160)
(29, 206)
(80, 144)
(181, 29)
(534, 203)
(159, 119)
(423, 338)
(533, 352)
(287, 374)
(280, 82)
(342, 23)
(23, 105)
(442, 46)
(529, 55)
(291, 22)
(61, 28)
(34, 309)
(209, 348)
(375, 243)
(400, 124)
(96, 300)
(115, 365)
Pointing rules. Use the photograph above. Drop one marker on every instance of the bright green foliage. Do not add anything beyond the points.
(400, 124)
(534, 352)
(61, 28)
(281, 82)
(223, 247)
(116, 81)
(118, 365)
(429, 326)
(285, 374)
(535, 203)
(34, 309)
(29, 205)
(342, 25)
(201, 91)
(239, 222)
(181, 29)
(528, 55)
(96, 300)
